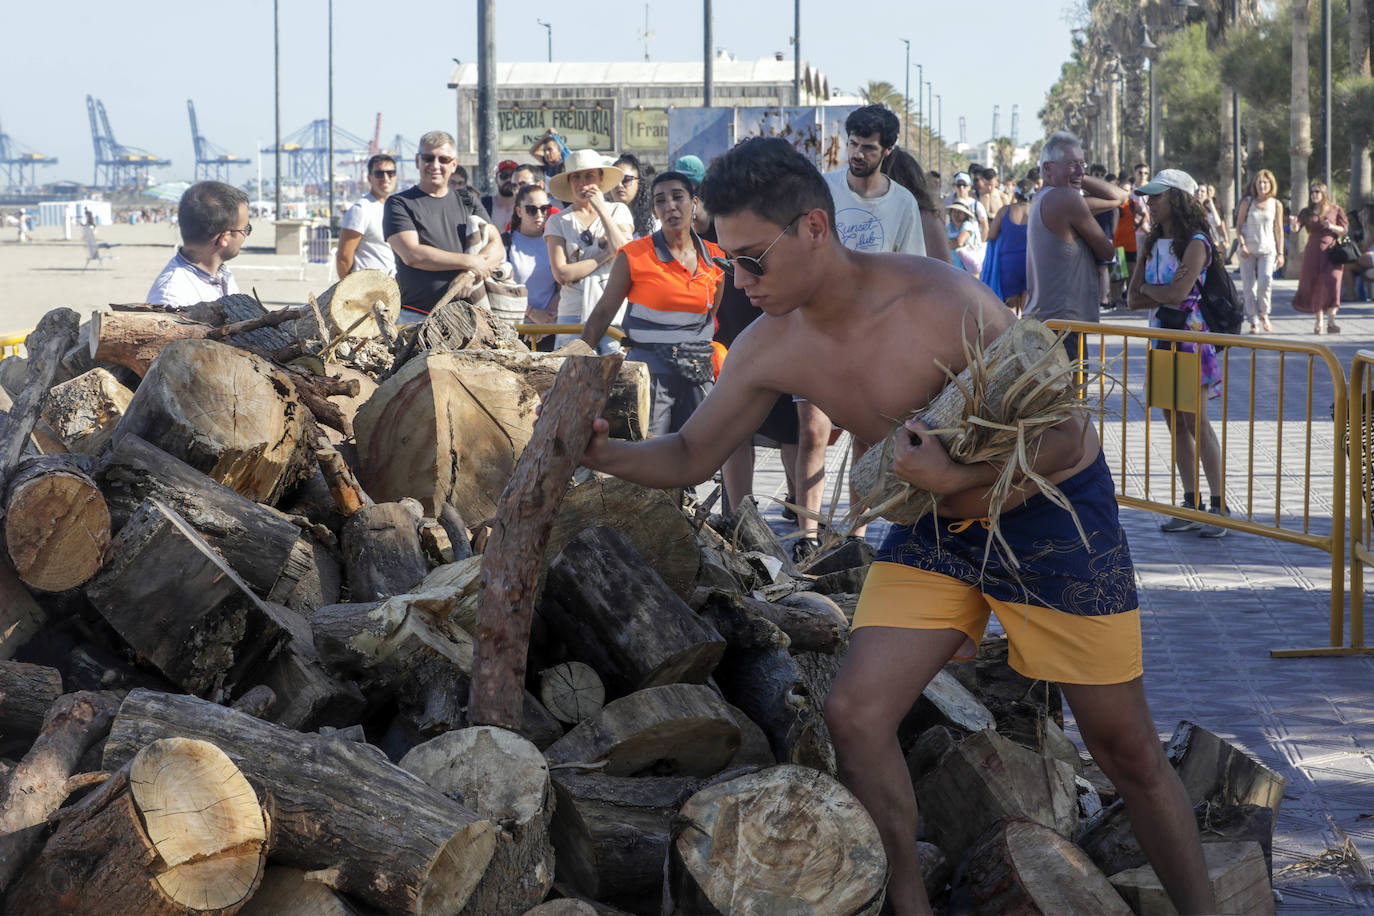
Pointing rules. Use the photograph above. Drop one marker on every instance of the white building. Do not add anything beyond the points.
(985, 154)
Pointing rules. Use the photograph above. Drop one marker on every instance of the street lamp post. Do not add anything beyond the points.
(796, 53)
(906, 99)
(329, 163)
(940, 119)
(548, 27)
(708, 57)
(1326, 93)
(920, 111)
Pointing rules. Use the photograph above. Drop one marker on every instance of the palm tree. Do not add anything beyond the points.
(1003, 153)
(881, 92)
(1299, 126)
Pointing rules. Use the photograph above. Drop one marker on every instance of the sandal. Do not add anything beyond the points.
(1267, 325)
(1333, 328)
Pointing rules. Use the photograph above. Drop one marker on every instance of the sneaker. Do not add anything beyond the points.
(804, 549)
(1180, 524)
(1214, 531)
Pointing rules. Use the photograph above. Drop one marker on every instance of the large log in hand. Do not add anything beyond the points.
(510, 564)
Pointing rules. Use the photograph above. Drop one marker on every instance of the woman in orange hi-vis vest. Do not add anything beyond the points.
(673, 285)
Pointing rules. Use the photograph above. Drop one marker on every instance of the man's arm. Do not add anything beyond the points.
(1081, 223)
(937, 244)
(920, 459)
(419, 256)
(348, 244)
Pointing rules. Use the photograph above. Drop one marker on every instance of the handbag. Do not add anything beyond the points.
(1172, 319)
(1345, 251)
(690, 359)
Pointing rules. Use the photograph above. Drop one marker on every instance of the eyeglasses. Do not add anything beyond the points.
(427, 158)
(629, 179)
(245, 231)
(532, 210)
(754, 265)
(383, 173)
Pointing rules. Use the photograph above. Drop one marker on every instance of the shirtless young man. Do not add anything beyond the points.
(879, 323)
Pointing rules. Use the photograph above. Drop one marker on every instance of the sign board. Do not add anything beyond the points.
(817, 131)
(645, 129)
(582, 126)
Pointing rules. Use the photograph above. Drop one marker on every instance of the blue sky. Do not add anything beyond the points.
(145, 59)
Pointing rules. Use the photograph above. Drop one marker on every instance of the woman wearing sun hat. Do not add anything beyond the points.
(583, 240)
(965, 240)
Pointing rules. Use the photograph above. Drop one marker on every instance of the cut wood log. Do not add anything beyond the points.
(310, 579)
(946, 702)
(382, 552)
(134, 339)
(457, 532)
(520, 532)
(651, 521)
(240, 307)
(179, 605)
(1020, 705)
(228, 414)
(255, 540)
(1024, 867)
(812, 622)
(572, 691)
(441, 432)
(26, 692)
(307, 696)
(1240, 883)
(563, 906)
(458, 323)
(1111, 843)
(353, 297)
(784, 840)
(611, 834)
(55, 334)
(617, 614)
(680, 729)
(1214, 770)
(387, 838)
(505, 779)
(179, 831)
(37, 786)
(82, 412)
(986, 778)
(746, 530)
(57, 526)
(290, 890)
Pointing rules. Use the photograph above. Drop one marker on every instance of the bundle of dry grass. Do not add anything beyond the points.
(1009, 393)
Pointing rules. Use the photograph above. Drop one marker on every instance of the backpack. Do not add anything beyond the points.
(1219, 303)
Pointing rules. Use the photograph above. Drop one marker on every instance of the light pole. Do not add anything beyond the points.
(276, 79)
(1148, 47)
(920, 110)
(486, 91)
(329, 163)
(906, 99)
(796, 53)
(548, 27)
(940, 119)
(1326, 94)
(707, 57)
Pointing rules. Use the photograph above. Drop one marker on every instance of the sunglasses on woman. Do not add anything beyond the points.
(754, 265)
(532, 210)
(587, 239)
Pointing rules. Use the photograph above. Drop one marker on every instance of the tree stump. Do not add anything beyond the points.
(441, 431)
(57, 526)
(783, 840)
(347, 305)
(384, 836)
(1023, 867)
(179, 831)
(618, 615)
(83, 412)
(1215, 770)
(572, 691)
(382, 552)
(505, 779)
(179, 605)
(226, 413)
(680, 729)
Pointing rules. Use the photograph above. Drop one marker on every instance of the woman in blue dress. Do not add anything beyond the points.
(1009, 234)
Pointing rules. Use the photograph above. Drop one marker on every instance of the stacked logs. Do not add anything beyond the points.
(303, 613)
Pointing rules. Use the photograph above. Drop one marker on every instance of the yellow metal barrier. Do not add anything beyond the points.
(10, 344)
(534, 330)
(1360, 448)
(1136, 378)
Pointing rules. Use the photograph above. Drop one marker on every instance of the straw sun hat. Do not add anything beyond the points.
(580, 161)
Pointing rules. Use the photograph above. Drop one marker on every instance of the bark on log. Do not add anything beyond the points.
(83, 412)
(382, 552)
(56, 332)
(134, 339)
(680, 729)
(37, 786)
(651, 521)
(456, 324)
(812, 622)
(179, 831)
(1023, 867)
(227, 413)
(290, 890)
(254, 540)
(179, 605)
(505, 779)
(389, 839)
(747, 530)
(57, 526)
(510, 563)
(783, 840)
(572, 691)
(967, 789)
(563, 907)
(1240, 883)
(310, 579)
(618, 615)
(26, 692)
(611, 834)
(440, 432)
(21, 618)
(307, 695)
(1214, 770)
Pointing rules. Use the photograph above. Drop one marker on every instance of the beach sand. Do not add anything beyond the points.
(49, 272)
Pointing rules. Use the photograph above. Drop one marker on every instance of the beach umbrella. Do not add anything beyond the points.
(167, 190)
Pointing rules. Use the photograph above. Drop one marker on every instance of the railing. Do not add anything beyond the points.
(11, 344)
(1277, 502)
(1360, 451)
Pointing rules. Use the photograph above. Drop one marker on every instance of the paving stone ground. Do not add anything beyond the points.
(1212, 610)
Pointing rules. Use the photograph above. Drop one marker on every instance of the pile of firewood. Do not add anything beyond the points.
(300, 612)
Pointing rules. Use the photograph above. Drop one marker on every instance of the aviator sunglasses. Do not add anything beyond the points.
(754, 265)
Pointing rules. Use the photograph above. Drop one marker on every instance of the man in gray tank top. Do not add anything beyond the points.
(1064, 243)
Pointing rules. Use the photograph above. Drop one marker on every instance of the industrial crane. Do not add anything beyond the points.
(120, 166)
(307, 153)
(15, 158)
(212, 163)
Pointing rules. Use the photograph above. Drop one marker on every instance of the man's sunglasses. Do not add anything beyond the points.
(532, 210)
(754, 265)
(427, 158)
(383, 173)
(245, 231)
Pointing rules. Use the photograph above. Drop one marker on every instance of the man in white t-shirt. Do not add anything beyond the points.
(361, 243)
(213, 219)
(872, 214)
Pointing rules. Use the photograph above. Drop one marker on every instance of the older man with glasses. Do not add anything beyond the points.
(361, 243)
(213, 219)
(429, 225)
